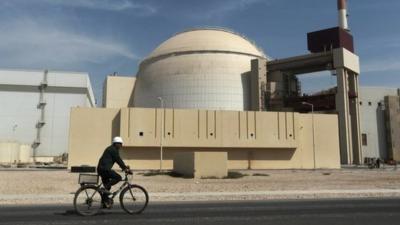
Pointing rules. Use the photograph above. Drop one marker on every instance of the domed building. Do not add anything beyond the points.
(198, 69)
(210, 82)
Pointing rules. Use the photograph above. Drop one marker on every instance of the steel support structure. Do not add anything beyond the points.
(41, 122)
(258, 84)
(346, 65)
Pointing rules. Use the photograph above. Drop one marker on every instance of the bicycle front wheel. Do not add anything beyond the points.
(87, 201)
(134, 199)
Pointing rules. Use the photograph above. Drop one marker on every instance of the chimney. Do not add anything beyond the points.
(342, 14)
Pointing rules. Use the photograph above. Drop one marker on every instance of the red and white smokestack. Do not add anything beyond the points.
(342, 14)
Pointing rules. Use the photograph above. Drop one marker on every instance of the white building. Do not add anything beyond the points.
(199, 69)
(373, 121)
(35, 108)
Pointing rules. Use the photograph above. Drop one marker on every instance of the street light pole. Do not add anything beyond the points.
(14, 131)
(162, 131)
(313, 129)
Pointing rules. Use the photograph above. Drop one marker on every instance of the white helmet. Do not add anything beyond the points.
(117, 140)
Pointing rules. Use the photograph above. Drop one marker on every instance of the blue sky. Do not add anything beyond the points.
(105, 36)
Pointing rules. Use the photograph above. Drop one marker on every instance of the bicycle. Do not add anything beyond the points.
(88, 198)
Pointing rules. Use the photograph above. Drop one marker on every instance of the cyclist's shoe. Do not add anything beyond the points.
(107, 204)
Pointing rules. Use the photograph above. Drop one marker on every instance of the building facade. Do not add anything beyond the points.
(392, 115)
(375, 121)
(205, 90)
(118, 91)
(252, 140)
(35, 108)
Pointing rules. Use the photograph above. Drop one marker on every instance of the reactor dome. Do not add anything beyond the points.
(200, 69)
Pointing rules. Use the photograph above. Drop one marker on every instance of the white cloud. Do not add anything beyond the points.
(108, 5)
(29, 44)
(115, 5)
(224, 8)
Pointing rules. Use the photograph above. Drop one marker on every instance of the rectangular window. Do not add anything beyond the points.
(364, 139)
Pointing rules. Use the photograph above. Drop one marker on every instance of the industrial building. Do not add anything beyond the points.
(206, 90)
(200, 91)
(214, 90)
(379, 108)
(201, 69)
(35, 112)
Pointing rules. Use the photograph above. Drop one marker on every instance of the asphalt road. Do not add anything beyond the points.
(366, 212)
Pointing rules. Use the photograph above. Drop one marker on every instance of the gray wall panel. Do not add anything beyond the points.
(19, 97)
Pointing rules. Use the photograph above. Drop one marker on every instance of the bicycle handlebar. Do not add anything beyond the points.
(127, 173)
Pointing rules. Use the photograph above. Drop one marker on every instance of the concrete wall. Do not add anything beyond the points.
(91, 131)
(372, 113)
(184, 163)
(201, 164)
(19, 114)
(210, 164)
(117, 91)
(141, 127)
(393, 126)
(257, 140)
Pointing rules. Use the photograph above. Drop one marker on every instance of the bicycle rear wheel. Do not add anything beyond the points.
(134, 199)
(87, 201)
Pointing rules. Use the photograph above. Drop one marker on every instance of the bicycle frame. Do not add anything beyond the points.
(122, 191)
(115, 193)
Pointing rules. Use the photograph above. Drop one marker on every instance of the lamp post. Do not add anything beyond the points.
(14, 128)
(162, 131)
(313, 130)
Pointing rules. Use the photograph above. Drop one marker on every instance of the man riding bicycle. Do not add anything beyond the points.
(104, 168)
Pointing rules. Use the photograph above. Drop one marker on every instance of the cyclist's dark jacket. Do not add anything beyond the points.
(109, 157)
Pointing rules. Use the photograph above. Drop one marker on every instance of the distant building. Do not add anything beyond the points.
(35, 108)
(378, 109)
(200, 91)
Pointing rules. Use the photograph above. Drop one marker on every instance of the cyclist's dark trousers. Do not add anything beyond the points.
(109, 178)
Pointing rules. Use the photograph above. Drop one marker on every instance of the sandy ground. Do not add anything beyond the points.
(27, 187)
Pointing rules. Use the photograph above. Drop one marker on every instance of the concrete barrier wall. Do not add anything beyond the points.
(184, 163)
(91, 131)
(142, 127)
(256, 140)
(210, 164)
(201, 164)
